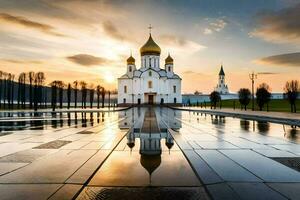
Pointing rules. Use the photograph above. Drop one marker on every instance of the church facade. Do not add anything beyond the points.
(221, 87)
(149, 84)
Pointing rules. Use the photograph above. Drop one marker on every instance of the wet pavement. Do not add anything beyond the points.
(147, 153)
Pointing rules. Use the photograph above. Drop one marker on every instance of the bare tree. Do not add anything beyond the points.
(291, 93)
(83, 85)
(263, 95)
(31, 77)
(92, 92)
(75, 86)
(69, 95)
(98, 91)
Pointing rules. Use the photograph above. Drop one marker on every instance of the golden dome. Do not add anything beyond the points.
(169, 60)
(150, 48)
(131, 60)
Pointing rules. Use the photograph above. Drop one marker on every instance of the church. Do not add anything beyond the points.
(221, 87)
(149, 84)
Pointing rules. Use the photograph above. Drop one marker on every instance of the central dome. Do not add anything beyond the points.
(150, 48)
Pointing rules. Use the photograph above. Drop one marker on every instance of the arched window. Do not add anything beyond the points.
(169, 68)
(149, 84)
(124, 100)
(125, 89)
(174, 88)
(130, 69)
(175, 100)
(150, 62)
(150, 73)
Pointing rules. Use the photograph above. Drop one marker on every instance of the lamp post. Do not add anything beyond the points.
(252, 77)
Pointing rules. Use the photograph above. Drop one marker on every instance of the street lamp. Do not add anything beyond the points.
(252, 77)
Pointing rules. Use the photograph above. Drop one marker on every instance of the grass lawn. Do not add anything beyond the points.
(278, 105)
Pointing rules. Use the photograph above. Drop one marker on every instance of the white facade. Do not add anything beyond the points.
(149, 84)
(222, 88)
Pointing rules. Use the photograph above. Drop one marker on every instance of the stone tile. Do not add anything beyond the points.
(206, 173)
(75, 145)
(13, 147)
(130, 169)
(243, 143)
(194, 144)
(290, 190)
(145, 193)
(222, 191)
(293, 148)
(226, 168)
(66, 192)
(275, 153)
(216, 145)
(56, 144)
(55, 168)
(8, 167)
(27, 191)
(257, 191)
(263, 167)
(27, 156)
(93, 145)
(87, 170)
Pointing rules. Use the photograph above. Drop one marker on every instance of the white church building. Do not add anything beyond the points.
(149, 84)
(221, 87)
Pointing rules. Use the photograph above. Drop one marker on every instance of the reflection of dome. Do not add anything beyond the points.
(169, 145)
(150, 162)
(130, 144)
(150, 48)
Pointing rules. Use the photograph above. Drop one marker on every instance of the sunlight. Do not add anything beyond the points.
(109, 78)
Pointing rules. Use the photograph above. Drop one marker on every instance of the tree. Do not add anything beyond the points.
(83, 93)
(214, 98)
(75, 86)
(98, 91)
(53, 85)
(31, 79)
(103, 96)
(69, 95)
(92, 91)
(21, 92)
(263, 95)
(38, 89)
(244, 97)
(61, 86)
(291, 93)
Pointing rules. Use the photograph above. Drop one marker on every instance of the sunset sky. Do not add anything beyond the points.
(91, 39)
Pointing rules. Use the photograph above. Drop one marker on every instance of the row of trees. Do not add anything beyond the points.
(31, 90)
(263, 95)
(57, 88)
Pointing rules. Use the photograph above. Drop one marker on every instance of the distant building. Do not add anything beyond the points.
(222, 88)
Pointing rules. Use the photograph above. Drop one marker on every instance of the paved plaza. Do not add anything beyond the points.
(147, 153)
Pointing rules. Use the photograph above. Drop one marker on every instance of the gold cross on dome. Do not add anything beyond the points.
(150, 27)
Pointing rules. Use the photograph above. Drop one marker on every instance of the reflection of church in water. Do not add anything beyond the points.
(149, 126)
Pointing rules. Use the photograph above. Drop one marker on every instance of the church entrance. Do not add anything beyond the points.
(150, 99)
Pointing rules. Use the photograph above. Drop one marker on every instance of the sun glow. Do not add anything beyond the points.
(109, 78)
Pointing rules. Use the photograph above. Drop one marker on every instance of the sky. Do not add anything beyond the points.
(90, 40)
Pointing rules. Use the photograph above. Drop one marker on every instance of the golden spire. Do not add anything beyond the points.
(169, 60)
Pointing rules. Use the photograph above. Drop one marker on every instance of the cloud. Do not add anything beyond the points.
(281, 26)
(291, 59)
(45, 28)
(189, 72)
(266, 73)
(112, 30)
(216, 26)
(87, 60)
(22, 61)
(180, 43)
